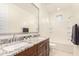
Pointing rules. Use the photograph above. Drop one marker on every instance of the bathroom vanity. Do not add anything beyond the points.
(33, 46)
(39, 49)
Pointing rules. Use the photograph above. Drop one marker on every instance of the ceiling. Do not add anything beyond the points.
(52, 7)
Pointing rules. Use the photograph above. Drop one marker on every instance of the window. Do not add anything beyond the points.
(59, 18)
(3, 18)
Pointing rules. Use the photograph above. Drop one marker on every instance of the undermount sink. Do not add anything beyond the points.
(34, 40)
(16, 46)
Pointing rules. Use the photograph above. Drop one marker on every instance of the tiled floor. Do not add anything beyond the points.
(55, 52)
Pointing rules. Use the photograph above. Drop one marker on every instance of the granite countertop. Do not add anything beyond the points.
(16, 47)
(13, 48)
(35, 40)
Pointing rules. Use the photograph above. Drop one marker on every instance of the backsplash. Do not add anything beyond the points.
(5, 39)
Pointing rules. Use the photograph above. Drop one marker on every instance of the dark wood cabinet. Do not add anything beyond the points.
(40, 49)
(43, 48)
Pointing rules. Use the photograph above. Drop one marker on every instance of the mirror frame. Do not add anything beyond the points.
(38, 16)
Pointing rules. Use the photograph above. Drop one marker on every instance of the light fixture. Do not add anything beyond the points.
(58, 9)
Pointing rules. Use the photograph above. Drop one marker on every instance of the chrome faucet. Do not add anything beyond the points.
(27, 36)
(13, 39)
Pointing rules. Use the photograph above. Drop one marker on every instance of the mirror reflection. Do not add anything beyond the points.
(18, 17)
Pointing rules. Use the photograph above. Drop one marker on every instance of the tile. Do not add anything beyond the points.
(56, 52)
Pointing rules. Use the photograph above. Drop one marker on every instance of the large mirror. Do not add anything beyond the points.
(16, 16)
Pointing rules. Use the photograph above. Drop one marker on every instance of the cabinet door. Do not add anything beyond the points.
(43, 48)
(47, 49)
(33, 51)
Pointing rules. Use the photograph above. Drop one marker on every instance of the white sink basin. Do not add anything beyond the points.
(31, 40)
(34, 40)
(17, 46)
